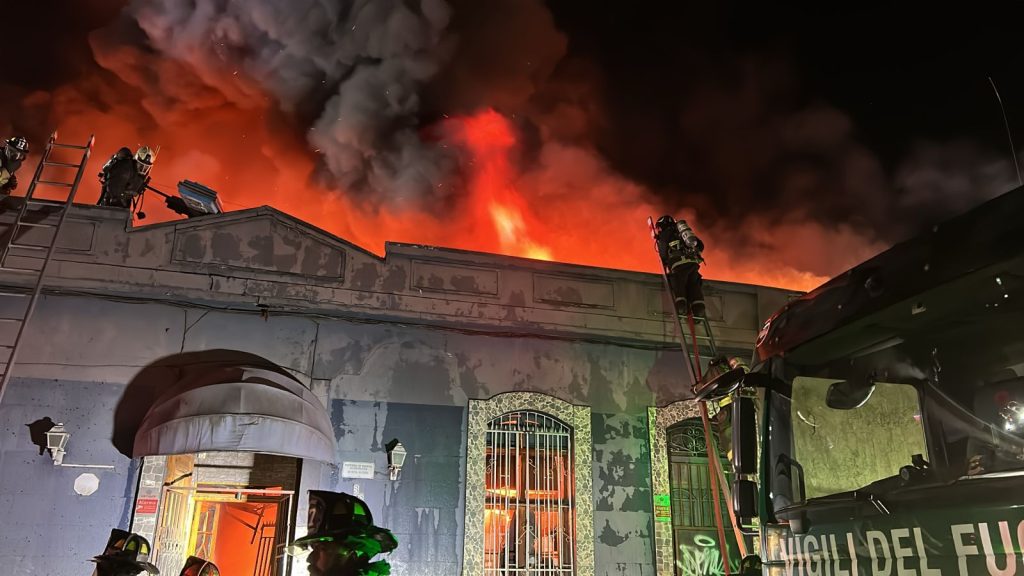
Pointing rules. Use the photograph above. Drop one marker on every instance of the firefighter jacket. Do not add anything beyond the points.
(121, 180)
(673, 251)
(7, 169)
(378, 568)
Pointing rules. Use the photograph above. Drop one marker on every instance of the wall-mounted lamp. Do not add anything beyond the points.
(396, 458)
(56, 442)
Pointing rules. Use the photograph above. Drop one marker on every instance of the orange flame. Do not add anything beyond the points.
(508, 221)
(490, 140)
(568, 205)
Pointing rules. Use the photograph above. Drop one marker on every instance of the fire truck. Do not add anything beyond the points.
(880, 429)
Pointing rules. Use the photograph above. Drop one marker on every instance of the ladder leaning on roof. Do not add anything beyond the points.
(691, 346)
(30, 260)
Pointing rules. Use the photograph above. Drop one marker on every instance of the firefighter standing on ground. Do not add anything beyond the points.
(681, 255)
(125, 177)
(342, 539)
(14, 152)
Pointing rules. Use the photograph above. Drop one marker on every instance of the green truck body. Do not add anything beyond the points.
(891, 409)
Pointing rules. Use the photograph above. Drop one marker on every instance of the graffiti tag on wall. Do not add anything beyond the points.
(701, 557)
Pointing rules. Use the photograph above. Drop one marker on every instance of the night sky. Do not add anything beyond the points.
(759, 119)
(902, 74)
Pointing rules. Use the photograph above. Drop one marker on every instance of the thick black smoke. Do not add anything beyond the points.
(774, 126)
(857, 116)
(352, 70)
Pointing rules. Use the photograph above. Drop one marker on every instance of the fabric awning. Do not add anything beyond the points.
(243, 409)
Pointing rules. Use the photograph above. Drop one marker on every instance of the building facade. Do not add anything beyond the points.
(211, 371)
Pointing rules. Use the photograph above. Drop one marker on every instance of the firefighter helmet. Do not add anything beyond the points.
(196, 566)
(664, 222)
(127, 549)
(16, 148)
(344, 518)
(144, 159)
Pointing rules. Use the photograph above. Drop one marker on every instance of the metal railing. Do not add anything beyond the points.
(529, 522)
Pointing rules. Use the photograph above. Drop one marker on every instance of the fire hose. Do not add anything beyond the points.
(714, 467)
(175, 203)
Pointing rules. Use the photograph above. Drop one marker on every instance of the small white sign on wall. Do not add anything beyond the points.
(357, 470)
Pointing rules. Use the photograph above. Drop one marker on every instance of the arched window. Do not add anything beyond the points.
(529, 491)
(529, 495)
(690, 481)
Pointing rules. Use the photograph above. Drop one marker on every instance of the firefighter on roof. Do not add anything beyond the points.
(13, 154)
(681, 254)
(124, 177)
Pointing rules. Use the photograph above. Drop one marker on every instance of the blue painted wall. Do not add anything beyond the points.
(425, 507)
(46, 527)
(380, 381)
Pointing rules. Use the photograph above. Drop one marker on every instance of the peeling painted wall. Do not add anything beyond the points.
(430, 366)
(394, 347)
(623, 515)
(381, 382)
(424, 507)
(47, 528)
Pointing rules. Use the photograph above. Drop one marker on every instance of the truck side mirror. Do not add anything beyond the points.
(848, 395)
(744, 457)
(744, 500)
(744, 436)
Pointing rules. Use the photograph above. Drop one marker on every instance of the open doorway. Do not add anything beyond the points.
(233, 508)
(239, 530)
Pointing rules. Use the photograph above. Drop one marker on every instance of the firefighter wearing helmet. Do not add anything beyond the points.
(342, 539)
(196, 566)
(15, 150)
(125, 554)
(681, 254)
(125, 176)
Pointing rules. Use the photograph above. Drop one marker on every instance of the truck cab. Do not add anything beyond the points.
(888, 434)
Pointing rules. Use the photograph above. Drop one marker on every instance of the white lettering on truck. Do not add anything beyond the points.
(990, 558)
(874, 536)
(902, 552)
(963, 550)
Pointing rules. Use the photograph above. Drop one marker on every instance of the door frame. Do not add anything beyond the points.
(289, 495)
(696, 460)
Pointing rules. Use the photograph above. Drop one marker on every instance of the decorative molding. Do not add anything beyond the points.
(659, 420)
(578, 418)
(658, 302)
(435, 277)
(573, 291)
(260, 243)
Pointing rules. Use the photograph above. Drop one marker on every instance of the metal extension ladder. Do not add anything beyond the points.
(695, 338)
(707, 339)
(30, 260)
(691, 349)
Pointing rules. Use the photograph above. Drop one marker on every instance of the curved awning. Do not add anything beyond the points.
(243, 409)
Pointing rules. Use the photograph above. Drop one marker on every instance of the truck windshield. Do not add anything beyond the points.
(949, 388)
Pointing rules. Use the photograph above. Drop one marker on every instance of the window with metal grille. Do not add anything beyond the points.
(529, 512)
(689, 478)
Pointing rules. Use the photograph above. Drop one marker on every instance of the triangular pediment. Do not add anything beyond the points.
(261, 239)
